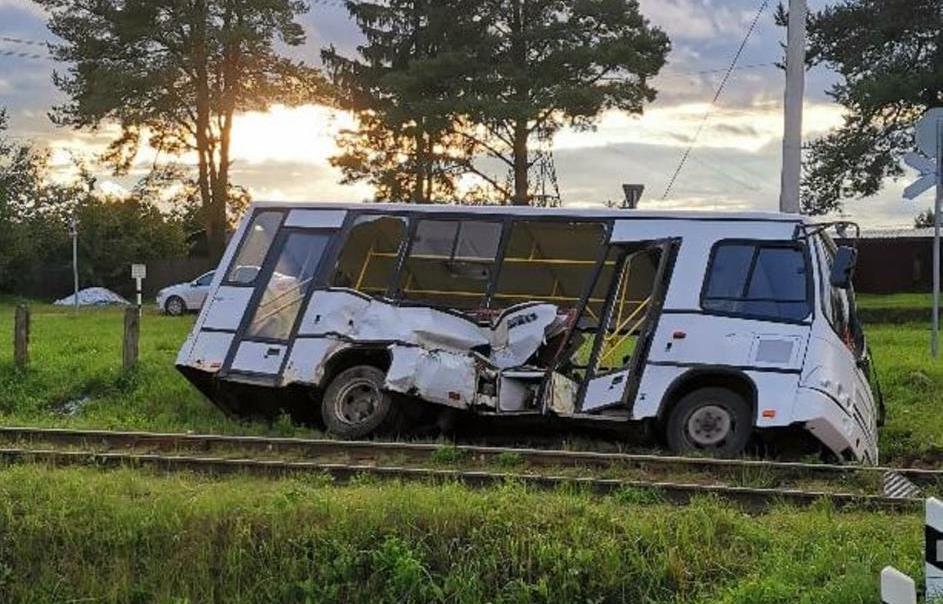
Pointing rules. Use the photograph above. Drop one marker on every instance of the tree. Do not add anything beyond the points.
(405, 91)
(889, 54)
(177, 72)
(546, 64)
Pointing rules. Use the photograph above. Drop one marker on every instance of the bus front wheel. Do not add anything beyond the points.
(715, 421)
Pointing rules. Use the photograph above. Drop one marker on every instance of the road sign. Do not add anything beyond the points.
(139, 273)
(926, 131)
(920, 186)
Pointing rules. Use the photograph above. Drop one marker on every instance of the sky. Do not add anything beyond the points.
(734, 165)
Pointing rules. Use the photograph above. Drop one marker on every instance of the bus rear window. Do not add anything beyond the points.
(758, 279)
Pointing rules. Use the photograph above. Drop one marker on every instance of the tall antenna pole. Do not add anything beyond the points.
(795, 91)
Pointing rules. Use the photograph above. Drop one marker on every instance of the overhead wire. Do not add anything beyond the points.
(710, 108)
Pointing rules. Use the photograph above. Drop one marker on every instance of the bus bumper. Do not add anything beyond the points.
(836, 427)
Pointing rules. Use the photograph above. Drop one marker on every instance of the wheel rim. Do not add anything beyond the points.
(174, 307)
(709, 426)
(357, 402)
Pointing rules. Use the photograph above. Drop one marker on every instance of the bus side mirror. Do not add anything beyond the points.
(843, 269)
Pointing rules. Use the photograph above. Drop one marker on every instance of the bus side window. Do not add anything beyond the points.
(368, 256)
(551, 262)
(255, 245)
(451, 263)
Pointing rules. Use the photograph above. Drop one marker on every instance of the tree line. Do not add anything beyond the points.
(436, 86)
(450, 96)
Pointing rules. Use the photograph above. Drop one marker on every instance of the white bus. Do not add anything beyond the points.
(708, 327)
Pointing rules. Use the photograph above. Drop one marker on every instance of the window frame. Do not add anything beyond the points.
(505, 219)
(343, 234)
(394, 291)
(244, 241)
(759, 244)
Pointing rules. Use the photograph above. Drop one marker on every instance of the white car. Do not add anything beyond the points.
(185, 297)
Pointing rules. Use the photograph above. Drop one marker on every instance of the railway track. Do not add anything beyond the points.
(797, 483)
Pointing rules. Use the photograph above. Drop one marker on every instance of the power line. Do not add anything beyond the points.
(720, 89)
(24, 55)
(23, 41)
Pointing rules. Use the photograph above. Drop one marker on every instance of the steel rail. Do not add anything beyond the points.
(423, 451)
(674, 492)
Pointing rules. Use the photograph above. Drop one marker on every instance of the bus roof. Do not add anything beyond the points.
(576, 212)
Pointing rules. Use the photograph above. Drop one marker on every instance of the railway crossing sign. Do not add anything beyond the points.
(928, 133)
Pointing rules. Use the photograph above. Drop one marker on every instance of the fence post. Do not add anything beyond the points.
(132, 332)
(934, 548)
(896, 587)
(21, 337)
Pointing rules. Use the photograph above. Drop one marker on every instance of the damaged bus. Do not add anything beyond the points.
(709, 328)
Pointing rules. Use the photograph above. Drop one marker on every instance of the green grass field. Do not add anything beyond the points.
(128, 536)
(137, 536)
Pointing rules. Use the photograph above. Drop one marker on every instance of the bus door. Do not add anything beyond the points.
(637, 287)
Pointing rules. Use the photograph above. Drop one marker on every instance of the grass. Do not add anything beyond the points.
(137, 536)
(76, 362)
(75, 376)
(132, 536)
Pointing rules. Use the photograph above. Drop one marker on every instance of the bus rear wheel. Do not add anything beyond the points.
(355, 404)
(715, 421)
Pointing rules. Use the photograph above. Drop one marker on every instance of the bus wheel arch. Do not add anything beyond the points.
(354, 403)
(709, 409)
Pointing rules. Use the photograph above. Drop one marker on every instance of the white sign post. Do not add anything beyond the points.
(934, 548)
(139, 273)
(929, 136)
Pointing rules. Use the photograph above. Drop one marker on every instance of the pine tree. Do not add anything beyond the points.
(546, 64)
(889, 54)
(178, 71)
(405, 90)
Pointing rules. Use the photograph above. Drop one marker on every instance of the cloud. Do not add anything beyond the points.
(695, 20)
(25, 6)
(747, 129)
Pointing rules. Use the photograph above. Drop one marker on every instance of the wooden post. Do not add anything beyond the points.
(132, 331)
(21, 337)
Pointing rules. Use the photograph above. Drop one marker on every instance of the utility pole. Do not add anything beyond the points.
(795, 92)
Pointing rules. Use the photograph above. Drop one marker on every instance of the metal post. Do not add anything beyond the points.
(935, 338)
(792, 123)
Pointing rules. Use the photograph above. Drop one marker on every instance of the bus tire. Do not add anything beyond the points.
(716, 421)
(355, 404)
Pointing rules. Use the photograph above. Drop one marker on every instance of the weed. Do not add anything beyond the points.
(447, 455)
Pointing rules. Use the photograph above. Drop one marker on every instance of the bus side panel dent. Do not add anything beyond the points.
(436, 376)
(308, 360)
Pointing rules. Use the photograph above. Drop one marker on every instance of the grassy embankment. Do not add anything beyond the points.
(126, 536)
